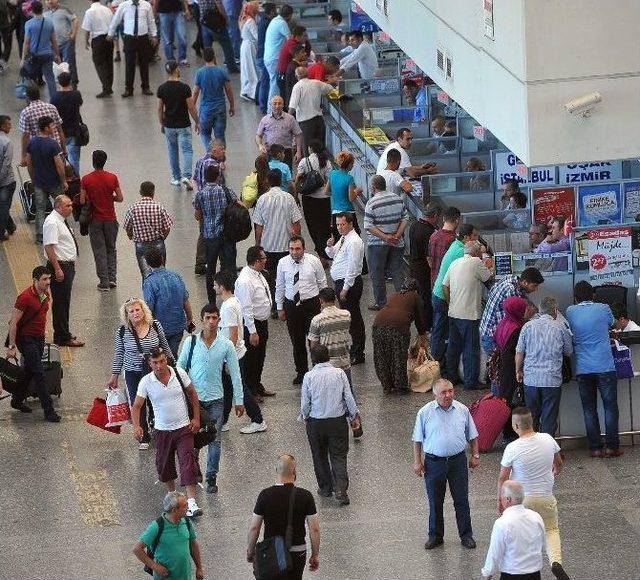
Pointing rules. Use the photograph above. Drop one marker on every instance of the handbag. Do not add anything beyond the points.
(98, 416)
(12, 375)
(311, 181)
(207, 433)
(82, 137)
(517, 399)
(213, 19)
(249, 192)
(424, 370)
(272, 558)
(237, 221)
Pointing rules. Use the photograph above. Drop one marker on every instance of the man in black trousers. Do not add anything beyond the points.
(299, 278)
(140, 37)
(96, 28)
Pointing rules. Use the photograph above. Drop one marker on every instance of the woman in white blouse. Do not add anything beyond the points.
(249, 35)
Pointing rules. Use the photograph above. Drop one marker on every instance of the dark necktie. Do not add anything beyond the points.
(296, 279)
(135, 21)
(66, 223)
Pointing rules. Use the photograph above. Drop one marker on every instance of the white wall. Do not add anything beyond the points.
(545, 52)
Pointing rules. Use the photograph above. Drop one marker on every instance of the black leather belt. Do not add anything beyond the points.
(439, 458)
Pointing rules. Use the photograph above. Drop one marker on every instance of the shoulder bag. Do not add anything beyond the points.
(207, 433)
(82, 138)
(237, 221)
(311, 181)
(272, 558)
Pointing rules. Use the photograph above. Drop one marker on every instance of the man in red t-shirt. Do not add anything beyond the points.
(298, 36)
(26, 334)
(102, 189)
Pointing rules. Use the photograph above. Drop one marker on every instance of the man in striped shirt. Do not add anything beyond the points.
(148, 224)
(385, 219)
(276, 217)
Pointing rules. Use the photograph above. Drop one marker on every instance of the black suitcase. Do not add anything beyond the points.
(27, 200)
(52, 372)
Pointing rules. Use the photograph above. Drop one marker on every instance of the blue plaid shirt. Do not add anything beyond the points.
(211, 200)
(493, 311)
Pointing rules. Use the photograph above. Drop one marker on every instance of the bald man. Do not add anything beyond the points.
(517, 539)
(272, 508)
(305, 104)
(61, 249)
(281, 128)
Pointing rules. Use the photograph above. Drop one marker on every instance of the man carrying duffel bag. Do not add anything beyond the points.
(26, 334)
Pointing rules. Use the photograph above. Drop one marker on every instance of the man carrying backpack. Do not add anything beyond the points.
(169, 543)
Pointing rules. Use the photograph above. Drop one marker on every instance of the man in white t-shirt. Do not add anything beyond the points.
(404, 138)
(174, 430)
(534, 460)
(395, 182)
(231, 326)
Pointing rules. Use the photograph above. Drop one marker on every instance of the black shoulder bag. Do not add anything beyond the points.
(207, 433)
(311, 181)
(237, 220)
(272, 557)
(152, 549)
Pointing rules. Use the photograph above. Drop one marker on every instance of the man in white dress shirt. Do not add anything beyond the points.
(252, 290)
(534, 460)
(517, 539)
(61, 251)
(404, 138)
(95, 24)
(348, 256)
(299, 278)
(139, 37)
(363, 55)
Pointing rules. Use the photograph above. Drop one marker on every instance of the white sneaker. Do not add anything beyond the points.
(187, 183)
(176, 182)
(225, 427)
(143, 446)
(193, 510)
(254, 428)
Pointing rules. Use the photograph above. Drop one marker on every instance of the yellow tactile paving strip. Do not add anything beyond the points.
(23, 255)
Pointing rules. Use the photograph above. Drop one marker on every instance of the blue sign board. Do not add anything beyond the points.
(361, 21)
(590, 172)
(599, 205)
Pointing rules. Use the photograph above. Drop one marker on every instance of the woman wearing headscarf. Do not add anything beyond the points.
(134, 340)
(249, 35)
(506, 338)
(392, 334)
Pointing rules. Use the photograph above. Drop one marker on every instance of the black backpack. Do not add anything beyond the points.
(237, 221)
(212, 18)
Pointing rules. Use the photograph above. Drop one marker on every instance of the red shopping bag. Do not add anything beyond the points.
(118, 412)
(98, 416)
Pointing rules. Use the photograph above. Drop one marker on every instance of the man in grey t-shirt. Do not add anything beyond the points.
(65, 25)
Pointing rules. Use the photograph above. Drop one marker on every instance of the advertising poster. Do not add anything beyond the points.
(360, 20)
(609, 252)
(599, 205)
(631, 199)
(552, 202)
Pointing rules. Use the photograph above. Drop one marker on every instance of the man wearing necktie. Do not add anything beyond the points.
(61, 250)
(140, 36)
(300, 276)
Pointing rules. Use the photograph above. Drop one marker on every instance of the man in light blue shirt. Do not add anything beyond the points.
(327, 405)
(203, 358)
(277, 33)
(589, 322)
(166, 295)
(440, 436)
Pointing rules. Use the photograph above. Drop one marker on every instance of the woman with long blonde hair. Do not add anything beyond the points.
(249, 35)
(134, 340)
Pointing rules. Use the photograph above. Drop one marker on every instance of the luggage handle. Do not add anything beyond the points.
(19, 172)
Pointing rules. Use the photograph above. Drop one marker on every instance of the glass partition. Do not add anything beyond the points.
(375, 86)
(466, 182)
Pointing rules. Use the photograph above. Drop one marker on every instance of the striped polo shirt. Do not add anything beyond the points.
(331, 328)
(276, 210)
(385, 211)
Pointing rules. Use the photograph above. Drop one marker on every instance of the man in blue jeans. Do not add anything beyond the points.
(233, 8)
(589, 322)
(385, 219)
(175, 104)
(268, 13)
(214, 21)
(204, 364)
(172, 15)
(210, 204)
(7, 178)
(214, 84)
(276, 35)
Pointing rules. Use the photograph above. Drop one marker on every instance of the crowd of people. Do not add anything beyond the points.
(177, 386)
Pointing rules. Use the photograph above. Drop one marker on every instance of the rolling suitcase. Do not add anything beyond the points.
(52, 372)
(490, 414)
(26, 194)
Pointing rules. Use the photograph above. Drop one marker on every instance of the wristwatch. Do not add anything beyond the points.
(476, 456)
